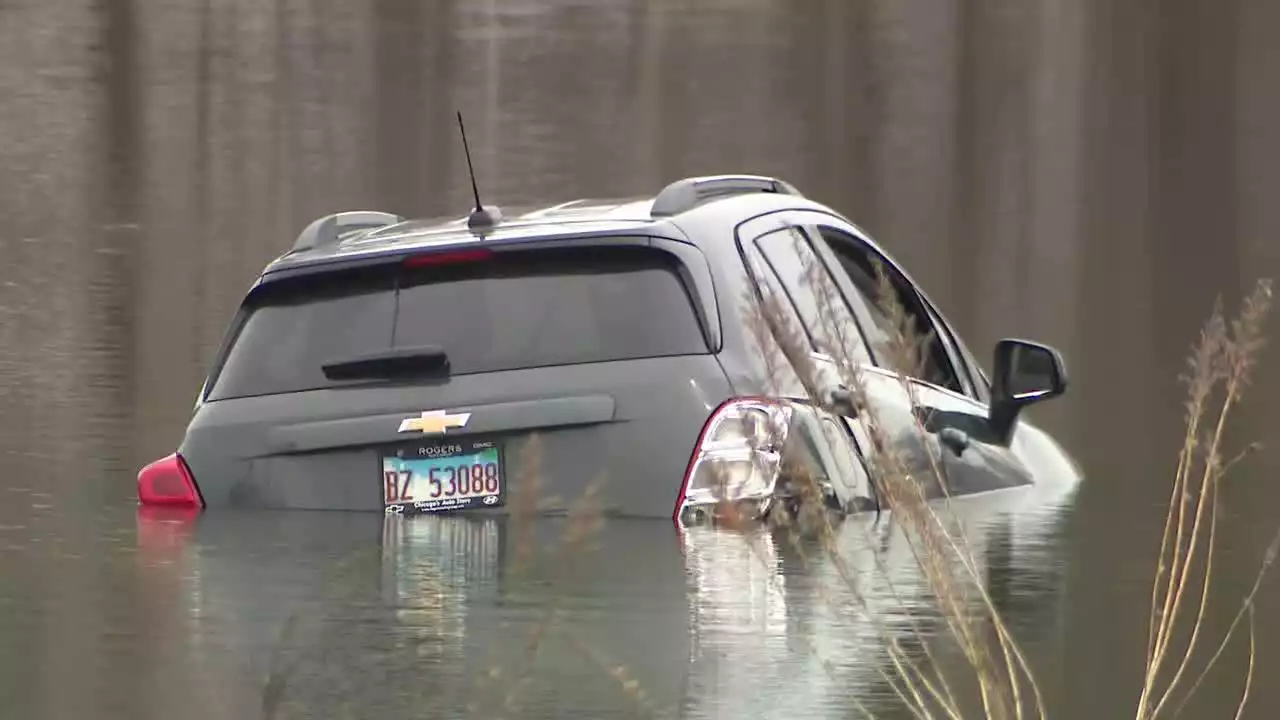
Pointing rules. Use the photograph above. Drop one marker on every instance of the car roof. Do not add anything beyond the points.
(727, 199)
(567, 219)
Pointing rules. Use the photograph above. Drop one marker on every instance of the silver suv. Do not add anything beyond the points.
(394, 365)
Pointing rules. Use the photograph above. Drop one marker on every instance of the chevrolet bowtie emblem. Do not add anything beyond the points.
(434, 422)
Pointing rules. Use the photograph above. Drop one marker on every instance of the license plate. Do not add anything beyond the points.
(443, 476)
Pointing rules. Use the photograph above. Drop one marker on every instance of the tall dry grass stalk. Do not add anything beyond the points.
(1006, 687)
(547, 566)
(1220, 369)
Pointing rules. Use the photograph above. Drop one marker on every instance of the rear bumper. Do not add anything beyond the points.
(351, 481)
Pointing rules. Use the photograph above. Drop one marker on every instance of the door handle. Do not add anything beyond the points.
(844, 400)
(955, 439)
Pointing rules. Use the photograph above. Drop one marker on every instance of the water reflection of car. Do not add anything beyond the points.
(350, 614)
(789, 629)
(396, 365)
(395, 615)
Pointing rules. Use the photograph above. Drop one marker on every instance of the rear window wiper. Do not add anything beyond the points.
(422, 359)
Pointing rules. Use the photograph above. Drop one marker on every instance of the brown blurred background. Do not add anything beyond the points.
(1087, 173)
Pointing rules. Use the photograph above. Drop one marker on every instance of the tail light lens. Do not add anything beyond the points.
(451, 257)
(736, 462)
(168, 482)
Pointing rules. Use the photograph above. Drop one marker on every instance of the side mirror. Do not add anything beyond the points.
(1025, 373)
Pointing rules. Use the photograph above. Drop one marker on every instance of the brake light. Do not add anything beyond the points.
(736, 462)
(448, 258)
(168, 482)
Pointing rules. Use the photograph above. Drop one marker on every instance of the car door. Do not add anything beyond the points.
(946, 397)
(780, 263)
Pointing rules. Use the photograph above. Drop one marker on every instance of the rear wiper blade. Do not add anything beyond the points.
(423, 359)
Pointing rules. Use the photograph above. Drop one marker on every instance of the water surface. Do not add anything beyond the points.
(1102, 181)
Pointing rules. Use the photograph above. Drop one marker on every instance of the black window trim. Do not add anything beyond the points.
(978, 386)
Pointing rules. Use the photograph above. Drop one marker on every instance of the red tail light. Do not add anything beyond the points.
(168, 482)
(448, 258)
(743, 438)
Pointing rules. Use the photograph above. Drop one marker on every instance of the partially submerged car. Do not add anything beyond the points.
(397, 365)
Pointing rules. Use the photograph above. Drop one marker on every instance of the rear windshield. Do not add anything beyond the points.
(518, 310)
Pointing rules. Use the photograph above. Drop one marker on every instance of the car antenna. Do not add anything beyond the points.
(481, 216)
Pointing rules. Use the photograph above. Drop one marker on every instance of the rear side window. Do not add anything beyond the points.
(518, 310)
(819, 305)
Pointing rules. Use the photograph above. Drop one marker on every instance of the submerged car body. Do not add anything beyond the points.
(395, 365)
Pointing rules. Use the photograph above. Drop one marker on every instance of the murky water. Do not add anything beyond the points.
(1090, 174)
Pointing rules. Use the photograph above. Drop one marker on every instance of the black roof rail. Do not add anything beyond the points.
(683, 195)
(330, 228)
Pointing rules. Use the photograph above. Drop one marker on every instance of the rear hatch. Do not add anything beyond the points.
(417, 382)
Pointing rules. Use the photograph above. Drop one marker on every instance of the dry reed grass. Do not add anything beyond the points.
(1006, 687)
(1220, 369)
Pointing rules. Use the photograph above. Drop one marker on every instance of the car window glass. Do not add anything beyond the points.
(774, 313)
(859, 263)
(771, 287)
(539, 309)
(959, 354)
(822, 310)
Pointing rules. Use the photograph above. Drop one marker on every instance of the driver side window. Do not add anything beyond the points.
(859, 263)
